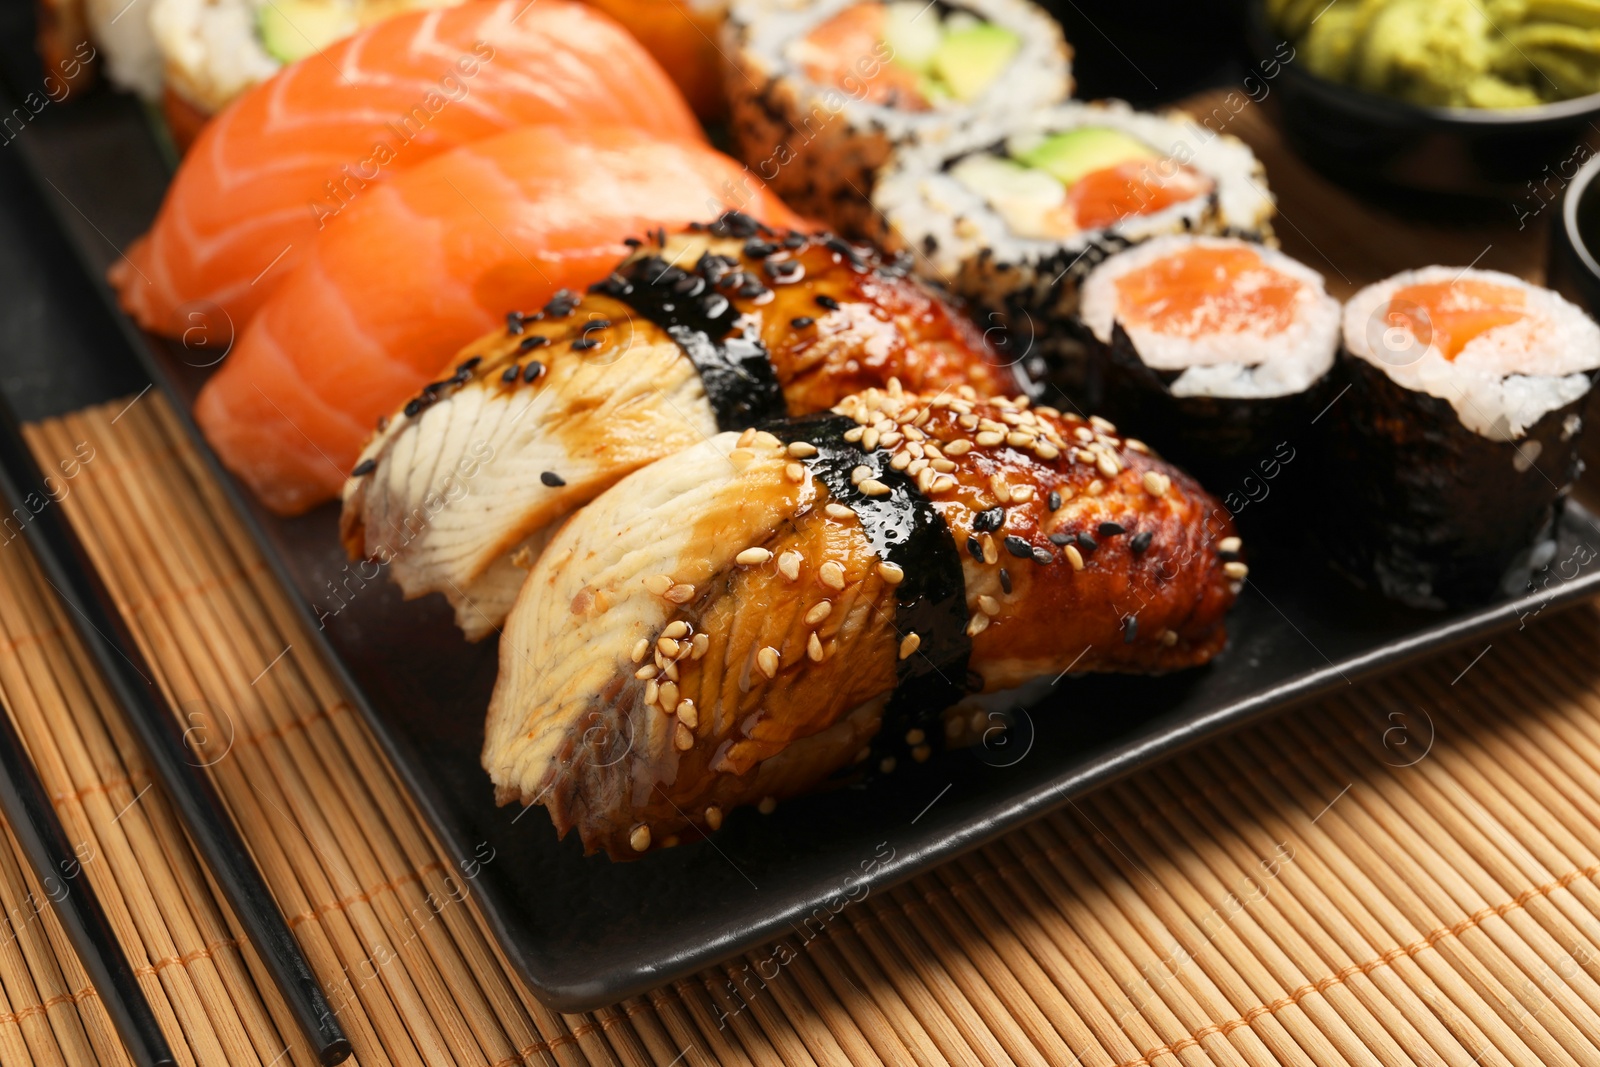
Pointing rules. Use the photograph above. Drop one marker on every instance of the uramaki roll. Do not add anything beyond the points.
(738, 621)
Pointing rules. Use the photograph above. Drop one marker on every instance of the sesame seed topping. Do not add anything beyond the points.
(512, 372)
(1155, 483)
(909, 644)
(892, 573)
(1094, 488)
(1087, 543)
(1110, 529)
(533, 372)
(814, 647)
(959, 447)
(768, 805)
(789, 565)
(977, 624)
(1108, 465)
(1169, 637)
(640, 838)
(1074, 557)
(647, 672)
(365, 467)
(1140, 542)
(1235, 569)
(988, 604)
(1018, 546)
(751, 556)
(667, 646)
(1005, 580)
(714, 817)
(873, 487)
(802, 449)
(682, 738)
(1229, 544)
(676, 629)
(552, 479)
(795, 472)
(1061, 537)
(991, 551)
(826, 301)
(652, 691)
(700, 643)
(1130, 629)
(1054, 500)
(989, 438)
(819, 611)
(800, 322)
(746, 438)
(838, 511)
(767, 660)
(640, 648)
(1021, 494)
(669, 695)
(831, 575)
(1043, 557)
(975, 548)
(584, 344)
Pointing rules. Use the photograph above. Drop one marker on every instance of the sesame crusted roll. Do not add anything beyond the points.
(697, 333)
(732, 624)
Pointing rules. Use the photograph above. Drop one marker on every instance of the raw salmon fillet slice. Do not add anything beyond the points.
(295, 154)
(427, 262)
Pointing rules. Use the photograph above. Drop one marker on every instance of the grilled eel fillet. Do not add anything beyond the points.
(718, 628)
(539, 419)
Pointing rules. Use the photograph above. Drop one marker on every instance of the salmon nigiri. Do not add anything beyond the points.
(419, 267)
(297, 152)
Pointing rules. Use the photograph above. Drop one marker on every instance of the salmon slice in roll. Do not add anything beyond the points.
(700, 332)
(736, 622)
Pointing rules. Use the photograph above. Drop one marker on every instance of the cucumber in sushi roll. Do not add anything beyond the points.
(1213, 349)
(1013, 215)
(1458, 440)
(821, 91)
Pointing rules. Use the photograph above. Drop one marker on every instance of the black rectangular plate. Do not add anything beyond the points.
(586, 932)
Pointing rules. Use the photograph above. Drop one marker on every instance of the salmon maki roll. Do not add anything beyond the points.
(707, 331)
(421, 265)
(734, 623)
(300, 150)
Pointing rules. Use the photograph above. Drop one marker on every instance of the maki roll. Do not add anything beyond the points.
(733, 624)
(698, 333)
(821, 91)
(1012, 217)
(1457, 442)
(1214, 349)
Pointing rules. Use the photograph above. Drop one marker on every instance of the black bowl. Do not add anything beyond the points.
(1364, 139)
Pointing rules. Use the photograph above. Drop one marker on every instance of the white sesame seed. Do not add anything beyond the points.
(682, 738)
(931, 451)
(746, 437)
(909, 644)
(802, 449)
(959, 447)
(1018, 439)
(640, 648)
(1156, 483)
(1169, 637)
(1102, 424)
(714, 817)
(814, 647)
(1083, 455)
(767, 440)
(1235, 569)
(942, 484)
(1074, 557)
(977, 624)
(1108, 465)
(819, 611)
(768, 805)
(1021, 494)
(901, 461)
(1094, 488)
(892, 573)
(752, 556)
(1229, 544)
(652, 690)
(640, 838)
(968, 422)
(991, 551)
(647, 672)
(681, 593)
(741, 458)
(767, 660)
(869, 439)
(873, 487)
(988, 604)
(838, 511)
(831, 575)
(989, 438)
(667, 647)
(894, 386)
(1133, 444)
(671, 672)
(943, 466)
(789, 564)
(890, 439)
(700, 643)
(795, 472)
(860, 473)
(853, 434)
(669, 694)
(675, 629)
(924, 477)
(658, 583)
(918, 466)
(1047, 451)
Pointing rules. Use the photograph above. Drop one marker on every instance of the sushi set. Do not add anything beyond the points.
(706, 535)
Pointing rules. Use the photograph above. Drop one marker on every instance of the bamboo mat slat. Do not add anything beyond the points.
(1402, 874)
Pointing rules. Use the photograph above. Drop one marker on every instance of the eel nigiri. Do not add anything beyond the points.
(297, 152)
(705, 333)
(738, 621)
(425, 263)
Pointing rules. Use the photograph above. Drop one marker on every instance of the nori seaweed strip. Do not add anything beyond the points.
(1216, 438)
(903, 528)
(737, 372)
(1430, 512)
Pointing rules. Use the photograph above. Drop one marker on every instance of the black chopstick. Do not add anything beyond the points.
(105, 634)
(33, 820)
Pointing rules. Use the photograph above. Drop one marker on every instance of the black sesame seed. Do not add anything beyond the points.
(534, 371)
(1005, 580)
(783, 270)
(800, 322)
(532, 341)
(514, 323)
(759, 249)
(1018, 547)
(795, 240)
(826, 301)
(751, 290)
(583, 344)
(975, 548)
(414, 406)
(511, 373)
(1130, 629)
(689, 285)
(366, 466)
(597, 324)
(1043, 556)
(714, 305)
(1110, 529)
(1061, 538)
(1087, 543)
(1141, 542)
(470, 365)
(1054, 500)
(990, 519)
(552, 479)
(633, 242)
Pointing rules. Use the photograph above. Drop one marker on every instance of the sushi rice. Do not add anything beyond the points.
(819, 145)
